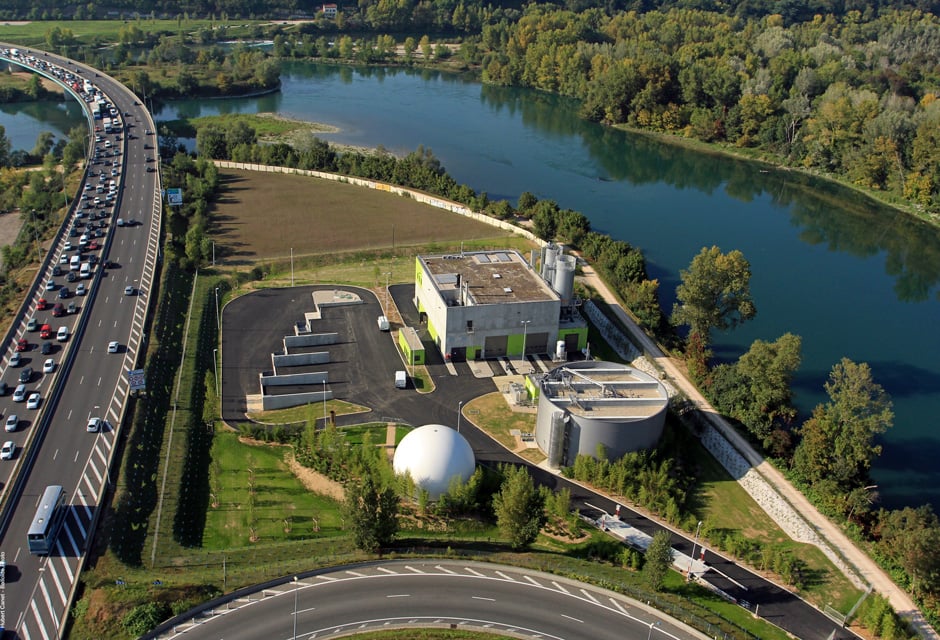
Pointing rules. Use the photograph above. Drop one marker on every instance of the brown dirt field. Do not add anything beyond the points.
(263, 216)
(10, 224)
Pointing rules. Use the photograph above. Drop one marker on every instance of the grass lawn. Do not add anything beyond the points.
(269, 126)
(306, 413)
(27, 33)
(256, 500)
(494, 416)
(262, 216)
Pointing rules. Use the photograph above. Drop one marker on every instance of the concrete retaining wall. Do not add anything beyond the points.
(311, 340)
(318, 377)
(300, 359)
(293, 400)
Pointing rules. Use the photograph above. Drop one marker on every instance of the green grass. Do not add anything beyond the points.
(268, 126)
(256, 500)
(91, 31)
(307, 412)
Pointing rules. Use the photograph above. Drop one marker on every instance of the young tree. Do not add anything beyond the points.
(518, 507)
(371, 511)
(837, 442)
(658, 561)
(715, 292)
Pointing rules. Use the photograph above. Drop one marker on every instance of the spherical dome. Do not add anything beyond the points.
(434, 455)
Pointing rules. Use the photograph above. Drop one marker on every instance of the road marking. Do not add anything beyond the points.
(504, 576)
(618, 606)
(42, 628)
(474, 572)
(399, 595)
(445, 570)
(560, 588)
(356, 573)
(533, 581)
(94, 470)
(589, 596)
(328, 578)
(482, 598)
(58, 585)
(413, 570)
(306, 610)
(45, 596)
(76, 456)
(388, 571)
(570, 618)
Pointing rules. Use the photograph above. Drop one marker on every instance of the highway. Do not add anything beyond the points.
(412, 593)
(89, 381)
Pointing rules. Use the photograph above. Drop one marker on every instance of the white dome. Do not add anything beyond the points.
(434, 455)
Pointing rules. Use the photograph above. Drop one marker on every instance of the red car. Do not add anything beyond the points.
(58, 311)
(45, 332)
(93, 246)
(42, 304)
(22, 345)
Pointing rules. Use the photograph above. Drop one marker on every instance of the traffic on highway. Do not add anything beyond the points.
(63, 374)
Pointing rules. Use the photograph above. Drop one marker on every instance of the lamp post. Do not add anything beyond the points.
(525, 331)
(295, 607)
(324, 403)
(652, 624)
(292, 266)
(388, 274)
(459, 407)
(698, 528)
(215, 364)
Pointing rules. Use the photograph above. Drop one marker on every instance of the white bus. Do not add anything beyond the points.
(48, 520)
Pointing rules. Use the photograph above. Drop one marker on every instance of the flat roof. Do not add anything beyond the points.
(491, 277)
(613, 391)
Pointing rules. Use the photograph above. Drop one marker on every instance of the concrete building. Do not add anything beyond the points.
(585, 404)
(487, 304)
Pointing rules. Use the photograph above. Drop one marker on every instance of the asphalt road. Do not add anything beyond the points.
(89, 381)
(362, 368)
(440, 593)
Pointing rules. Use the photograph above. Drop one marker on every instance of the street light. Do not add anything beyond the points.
(388, 274)
(688, 578)
(218, 314)
(652, 624)
(295, 607)
(525, 331)
(459, 407)
(324, 403)
(292, 266)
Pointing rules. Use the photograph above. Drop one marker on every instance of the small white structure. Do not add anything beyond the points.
(434, 455)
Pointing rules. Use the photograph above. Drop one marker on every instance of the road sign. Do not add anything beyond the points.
(136, 379)
(174, 197)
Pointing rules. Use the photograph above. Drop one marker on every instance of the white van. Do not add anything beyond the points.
(383, 323)
(401, 380)
(86, 270)
(75, 263)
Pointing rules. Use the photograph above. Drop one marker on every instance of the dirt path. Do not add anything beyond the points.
(870, 571)
(10, 224)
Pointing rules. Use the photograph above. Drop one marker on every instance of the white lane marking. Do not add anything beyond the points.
(58, 585)
(388, 571)
(413, 570)
(45, 596)
(482, 598)
(570, 618)
(474, 572)
(504, 576)
(618, 605)
(55, 454)
(42, 628)
(589, 596)
(95, 471)
(559, 587)
(533, 581)
(301, 610)
(356, 573)
(445, 570)
(327, 578)
(398, 595)
(76, 456)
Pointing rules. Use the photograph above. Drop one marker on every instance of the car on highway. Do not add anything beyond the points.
(50, 284)
(19, 395)
(22, 345)
(46, 348)
(26, 375)
(33, 401)
(56, 270)
(7, 450)
(128, 290)
(48, 366)
(94, 425)
(12, 422)
(4, 388)
(68, 246)
(16, 359)
(42, 304)
(73, 308)
(62, 334)
(71, 276)
(64, 293)
(80, 290)
(45, 332)
(32, 324)
(58, 310)
(113, 346)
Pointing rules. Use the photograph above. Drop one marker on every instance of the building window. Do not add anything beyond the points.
(469, 326)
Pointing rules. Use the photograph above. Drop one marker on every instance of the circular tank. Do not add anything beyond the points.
(434, 455)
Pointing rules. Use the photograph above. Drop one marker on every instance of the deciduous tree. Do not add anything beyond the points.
(371, 512)
(715, 292)
(518, 507)
(658, 561)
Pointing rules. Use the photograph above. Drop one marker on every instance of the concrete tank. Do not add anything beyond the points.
(563, 278)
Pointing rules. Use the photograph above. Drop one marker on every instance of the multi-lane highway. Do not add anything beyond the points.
(56, 447)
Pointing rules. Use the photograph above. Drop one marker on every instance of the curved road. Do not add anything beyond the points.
(439, 593)
(89, 380)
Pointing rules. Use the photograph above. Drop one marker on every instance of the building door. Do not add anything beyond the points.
(458, 354)
(495, 346)
(571, 342)
(536, 343)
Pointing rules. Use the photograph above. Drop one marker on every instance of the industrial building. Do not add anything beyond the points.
(488, 304)
(583, 405)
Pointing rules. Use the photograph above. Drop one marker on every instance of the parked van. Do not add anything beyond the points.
(86, 270)
(75, 263)
(383, 323)
(401, 380)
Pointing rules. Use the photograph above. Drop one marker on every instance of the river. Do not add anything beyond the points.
(851, 277)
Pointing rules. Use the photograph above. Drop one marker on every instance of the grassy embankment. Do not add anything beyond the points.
(264, 523)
